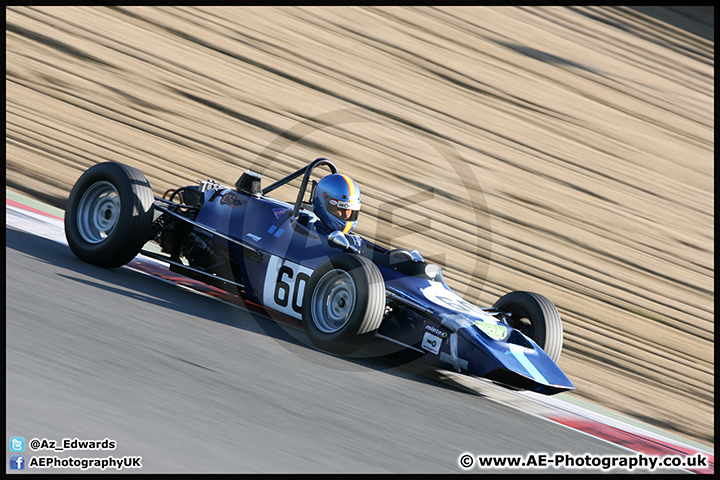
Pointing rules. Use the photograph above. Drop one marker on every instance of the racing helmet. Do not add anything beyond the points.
(336, 202)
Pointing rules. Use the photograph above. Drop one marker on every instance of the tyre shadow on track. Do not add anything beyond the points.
(138, 287)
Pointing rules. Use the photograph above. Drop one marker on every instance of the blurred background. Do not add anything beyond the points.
(565, 151)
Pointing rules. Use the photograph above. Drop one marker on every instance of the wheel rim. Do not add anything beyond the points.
(98, 212)
(333, 301)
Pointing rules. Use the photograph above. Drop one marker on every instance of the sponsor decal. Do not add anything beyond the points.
(231, 199)
(498, 332)
(278, 212)
(431, 343)
(436, 331)
(275, 231)
(257, 238)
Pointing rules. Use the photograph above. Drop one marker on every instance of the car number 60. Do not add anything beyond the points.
(282, 288)
(285, 283)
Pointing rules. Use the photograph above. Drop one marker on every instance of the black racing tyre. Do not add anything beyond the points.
(109, 214)
(536, 317)
(343, 303)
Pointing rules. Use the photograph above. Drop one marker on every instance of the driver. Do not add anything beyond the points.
(336, 202)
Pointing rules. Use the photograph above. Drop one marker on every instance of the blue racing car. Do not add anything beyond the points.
(301, 260)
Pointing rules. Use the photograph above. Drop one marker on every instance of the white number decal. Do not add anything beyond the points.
(285, 283)
(440, 295)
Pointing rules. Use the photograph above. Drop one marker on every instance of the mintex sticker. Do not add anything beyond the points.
(431, 343)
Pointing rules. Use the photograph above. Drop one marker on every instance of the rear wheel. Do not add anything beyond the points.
(343, 303)
(536, 317)
(109, 214)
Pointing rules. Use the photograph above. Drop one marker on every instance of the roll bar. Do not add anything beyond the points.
(307, 170)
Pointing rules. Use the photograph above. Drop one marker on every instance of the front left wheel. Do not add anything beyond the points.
(109, 214)
(343, 303)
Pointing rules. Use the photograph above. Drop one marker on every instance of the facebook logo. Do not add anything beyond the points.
(17, 444)
(17, 462)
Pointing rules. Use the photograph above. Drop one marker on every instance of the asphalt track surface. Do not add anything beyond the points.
(192, 384)
(589, 131)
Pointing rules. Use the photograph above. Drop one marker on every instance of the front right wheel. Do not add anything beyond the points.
(536, 317)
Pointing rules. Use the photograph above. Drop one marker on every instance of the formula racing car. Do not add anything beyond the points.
(301, 260)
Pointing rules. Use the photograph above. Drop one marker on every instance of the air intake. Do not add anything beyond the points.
(249, 183)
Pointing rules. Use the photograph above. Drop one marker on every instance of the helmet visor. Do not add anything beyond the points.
(345, 211)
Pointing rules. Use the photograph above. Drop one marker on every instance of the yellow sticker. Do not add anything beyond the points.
(498, 332)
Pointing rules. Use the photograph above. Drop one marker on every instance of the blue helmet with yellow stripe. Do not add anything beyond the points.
(336, 202)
